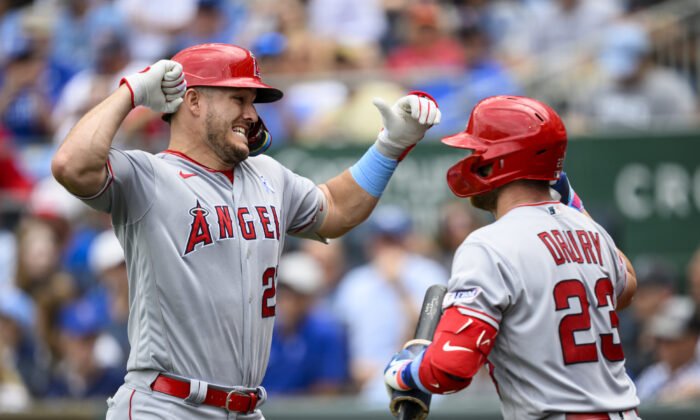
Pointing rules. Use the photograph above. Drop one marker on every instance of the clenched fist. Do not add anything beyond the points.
(159, 87)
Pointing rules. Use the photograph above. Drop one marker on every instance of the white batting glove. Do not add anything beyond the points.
(159, 87)
(405, 123)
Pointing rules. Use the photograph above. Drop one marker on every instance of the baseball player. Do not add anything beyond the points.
(203, 224)
(534, 294)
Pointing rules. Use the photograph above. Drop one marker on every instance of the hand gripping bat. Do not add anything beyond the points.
(414, 404)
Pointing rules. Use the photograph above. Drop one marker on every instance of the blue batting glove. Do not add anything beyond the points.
(397, 374)
(567, 193)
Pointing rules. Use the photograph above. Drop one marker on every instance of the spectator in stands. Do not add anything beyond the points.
(456, 220)
(656, 285)
(350, 120)
(32, 76)
(11, 34)
(72, 226)
(291, 48)
(482, 76)
(25, 106)
(425, 43)
(639, 94)
(308, 354)
(43, 234)
(106, 260)
(379, 302)
(215, 21)
(8, 244)
(693, 278)
(78, 373)
(561, 23)
(15, 182)
(39, 273)
(152, 24)
(675, 378)
(79, 24)
(506, 24)
(93, 84)
(639, 5)
(354, 26)
(332, 258)
(19, 367)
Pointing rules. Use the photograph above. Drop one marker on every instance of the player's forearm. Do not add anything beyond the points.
(348, 205)
(80, 162)
(625, 299)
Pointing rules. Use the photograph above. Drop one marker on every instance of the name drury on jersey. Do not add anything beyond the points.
(578, 246)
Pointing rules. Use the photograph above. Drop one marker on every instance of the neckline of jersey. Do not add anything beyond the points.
(227, 172)
(541, 203)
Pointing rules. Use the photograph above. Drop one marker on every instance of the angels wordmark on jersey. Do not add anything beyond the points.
(264, 226)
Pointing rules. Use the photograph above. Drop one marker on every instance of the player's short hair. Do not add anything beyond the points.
(206, 91)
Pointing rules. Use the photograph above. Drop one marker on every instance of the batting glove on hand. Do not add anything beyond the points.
(159, 87)
(397, 374)
(405, 123)
(567, 194)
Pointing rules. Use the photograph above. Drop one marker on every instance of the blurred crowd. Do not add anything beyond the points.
(345, 308)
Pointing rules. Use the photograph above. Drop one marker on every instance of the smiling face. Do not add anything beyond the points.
(229, 114)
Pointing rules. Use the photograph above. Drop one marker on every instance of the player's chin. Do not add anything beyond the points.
(239, 148)
(240, 153)
(233, 153)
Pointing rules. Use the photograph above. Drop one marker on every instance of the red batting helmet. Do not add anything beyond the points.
(520, 138)
(224, 65)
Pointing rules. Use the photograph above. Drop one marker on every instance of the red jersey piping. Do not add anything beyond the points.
(227, 172)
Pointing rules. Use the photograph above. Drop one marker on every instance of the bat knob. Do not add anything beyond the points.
(410, 405)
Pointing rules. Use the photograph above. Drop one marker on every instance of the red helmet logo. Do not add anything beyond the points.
(256, 69)
(510, 138)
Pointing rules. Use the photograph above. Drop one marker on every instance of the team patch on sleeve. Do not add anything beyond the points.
(461, 297)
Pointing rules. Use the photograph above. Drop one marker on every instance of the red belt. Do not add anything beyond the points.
(231, 400)
(588, 416)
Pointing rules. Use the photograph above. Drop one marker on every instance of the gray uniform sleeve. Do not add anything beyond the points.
(306, 206)
(481, 283)
(129, 190)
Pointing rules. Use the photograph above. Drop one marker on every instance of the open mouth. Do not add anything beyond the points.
(240, 130)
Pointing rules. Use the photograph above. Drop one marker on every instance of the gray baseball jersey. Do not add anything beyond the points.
(547, 277)
(202, 249)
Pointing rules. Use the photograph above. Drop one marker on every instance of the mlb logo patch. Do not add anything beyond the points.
(462, 296)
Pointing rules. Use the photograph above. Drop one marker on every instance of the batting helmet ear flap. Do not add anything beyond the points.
(259, 138)
(463, 180)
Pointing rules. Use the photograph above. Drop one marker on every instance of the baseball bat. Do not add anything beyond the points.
(414, 404)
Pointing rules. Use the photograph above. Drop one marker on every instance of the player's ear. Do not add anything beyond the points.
(193, 101)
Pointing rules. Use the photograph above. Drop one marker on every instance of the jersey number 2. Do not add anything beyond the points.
(268, 282)
(587, 352)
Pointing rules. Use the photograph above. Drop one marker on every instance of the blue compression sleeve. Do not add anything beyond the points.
(373, 171)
